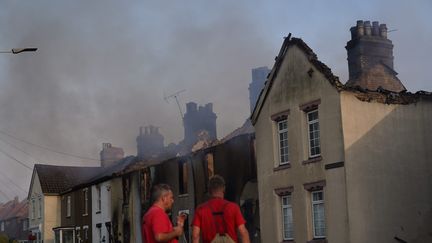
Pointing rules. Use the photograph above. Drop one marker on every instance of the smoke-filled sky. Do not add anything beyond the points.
(103, 66)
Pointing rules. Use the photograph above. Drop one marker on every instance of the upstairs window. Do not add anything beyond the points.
(99, 200)
(183, 177)
(25, 224)
(68, 206)
(33, 212)
(283, 141)
(85, 196)
(313, 134)
(209, 168)
(40, 207)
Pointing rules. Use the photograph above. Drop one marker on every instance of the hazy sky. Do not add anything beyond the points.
(103, 66)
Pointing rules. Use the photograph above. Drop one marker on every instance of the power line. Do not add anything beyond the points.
(10, 180)
(4, 194)
(18, 148)
(46, 148)
(21, 163)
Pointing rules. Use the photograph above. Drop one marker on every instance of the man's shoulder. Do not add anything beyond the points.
(154, 210)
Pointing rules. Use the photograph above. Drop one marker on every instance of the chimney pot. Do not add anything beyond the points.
(360, 28)
(353, 33)
(375, 28)
(383, 30)
(367, 28)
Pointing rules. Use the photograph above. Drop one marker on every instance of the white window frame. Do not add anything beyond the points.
(288, 207)
(24, 225)
(313, 203)
(99, 199)
(309, 123)
(85, 229)
(33, 213)
(68, 206)
(85, 194)
(280, 140)
(99, 233)
(40, 207)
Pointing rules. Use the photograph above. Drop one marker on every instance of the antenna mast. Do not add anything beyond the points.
(175, 96)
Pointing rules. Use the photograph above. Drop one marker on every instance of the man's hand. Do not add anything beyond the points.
(164, 237)
(181, 219)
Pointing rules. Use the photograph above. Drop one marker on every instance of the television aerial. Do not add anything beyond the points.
(175, 96)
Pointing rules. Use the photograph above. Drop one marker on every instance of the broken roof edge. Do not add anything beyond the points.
(384, 96)
(143, 164)
(312, 57)
(402, 97)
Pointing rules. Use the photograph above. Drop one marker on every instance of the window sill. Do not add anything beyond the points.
(322, 240)
(86, 214)
(282, 167)
(183, 195)
(98, 212)
(312, 160)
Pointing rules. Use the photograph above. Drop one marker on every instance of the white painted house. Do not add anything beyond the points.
(101, 210)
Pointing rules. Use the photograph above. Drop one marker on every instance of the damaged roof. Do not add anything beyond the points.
(55, 179)
(380, 95)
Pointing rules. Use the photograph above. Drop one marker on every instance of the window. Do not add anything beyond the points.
(183, 178)
(85, 195)
(25, 224)
(2, 226)
(313, 133)
(40, 207)
(85, 228)
(287, 219)
(99, 233)
(318, 215)
(283, 141)
(68, 206)
(99, 202)
(33, 213)
(209, 168)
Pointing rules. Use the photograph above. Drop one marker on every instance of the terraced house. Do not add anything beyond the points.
(343, 162)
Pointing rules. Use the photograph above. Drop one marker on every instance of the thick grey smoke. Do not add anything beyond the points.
(103, 66)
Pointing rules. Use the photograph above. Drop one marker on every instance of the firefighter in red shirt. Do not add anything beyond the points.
(156, 225)
(218, 220)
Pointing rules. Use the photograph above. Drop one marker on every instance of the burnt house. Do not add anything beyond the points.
(188, 175)
(343, 162)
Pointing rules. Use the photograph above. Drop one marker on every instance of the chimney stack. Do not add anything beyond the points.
(370, 58)
(110, 154)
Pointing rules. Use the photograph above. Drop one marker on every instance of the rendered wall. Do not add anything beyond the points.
(389, 168)
(292, 87)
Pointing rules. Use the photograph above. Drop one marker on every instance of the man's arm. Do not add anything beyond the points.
(164, 237)
(244, 234)
(195, 234)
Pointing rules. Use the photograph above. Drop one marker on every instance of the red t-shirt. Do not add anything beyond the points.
(155, 221)
(205, 219)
